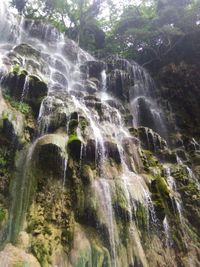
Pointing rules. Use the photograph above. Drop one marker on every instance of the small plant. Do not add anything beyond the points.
(4, 154)
(21, 106)
(16, 68)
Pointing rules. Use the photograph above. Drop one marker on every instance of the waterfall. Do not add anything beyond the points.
(86, 106)
(102, 188)
(20, 193)
(145, 109)
(167, 232)
(25, 89)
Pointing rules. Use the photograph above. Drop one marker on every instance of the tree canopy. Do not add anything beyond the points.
(147, 29)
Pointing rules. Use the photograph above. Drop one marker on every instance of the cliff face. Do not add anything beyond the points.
(99, 167)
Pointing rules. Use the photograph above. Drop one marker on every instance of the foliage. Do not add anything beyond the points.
(144, 30)
(20, 106)
(78, 18)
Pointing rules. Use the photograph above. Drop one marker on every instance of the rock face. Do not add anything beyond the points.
(93, 172)
(181, 89)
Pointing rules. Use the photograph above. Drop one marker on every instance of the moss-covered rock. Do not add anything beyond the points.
(160, 195)
(49, 154)
(74, 146)
(22, 87)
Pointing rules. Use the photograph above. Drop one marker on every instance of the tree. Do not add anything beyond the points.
(152, 29)
(77, 18)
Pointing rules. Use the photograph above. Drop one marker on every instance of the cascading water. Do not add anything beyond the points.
(144, 108)
(102, 188)
(167, 232)
(62, 75)
(46, 55)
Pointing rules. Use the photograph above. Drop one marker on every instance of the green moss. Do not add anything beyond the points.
(67, 234)
(87, 175)
(20, 106)
(24, 72)
(73, 124)
(16, 69)
(121, 204)
(160, 195)
(100, 257)
(142, 217)
(163, 186)
(73, 138)
(149, 160)
(34, 78)
(83, 124)
(41, 251)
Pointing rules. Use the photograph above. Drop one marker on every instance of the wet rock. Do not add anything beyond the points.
(49, 154)
(112, 151)
(73, 125)
(29, 89)
(119, 83)
(167, 155)
(36, 92)
(60, 79)
(13, 84)
(73, 52)
(92, 98)
(128, 120)
(119, 63)
(120, 203)
(78, 87)
(74, 146)
(11, 124)
(41, 30)
(77, 93)
(151, 140)
(27, 50)
(115, 104)
(95, 68)
(181, 154)
(88, 252)
(90, 151)
(131, 154)
(87, 174)
(90, 88)
(161, 196)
